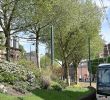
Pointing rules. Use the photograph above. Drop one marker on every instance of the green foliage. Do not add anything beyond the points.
(22, 51)
(21, 87)
(45, 61)
(8, 77)
(97, 61)
(76, 22)
(26, 63)
(29, 65)
(17, 75)
(45, 78)
(56, 86)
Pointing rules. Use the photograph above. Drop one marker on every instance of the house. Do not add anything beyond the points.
(82, 71)
(14, 48)
(106, 51)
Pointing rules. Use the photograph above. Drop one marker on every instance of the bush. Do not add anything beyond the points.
(62, 83)
(12, 74)
(8, 77)
(45, 83)
(56, 86)
(45, 78)
(77, 86)
(21, 87)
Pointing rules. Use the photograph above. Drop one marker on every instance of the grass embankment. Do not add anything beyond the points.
(67, 94)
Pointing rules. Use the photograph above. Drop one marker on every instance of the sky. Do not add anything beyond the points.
(105, 27)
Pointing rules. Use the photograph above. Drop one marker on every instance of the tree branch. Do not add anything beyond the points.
(45, 25)
(74, 47)
(22, 28)
(1, 24)
(11, 15)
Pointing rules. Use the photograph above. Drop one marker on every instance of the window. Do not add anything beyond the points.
(104, 76)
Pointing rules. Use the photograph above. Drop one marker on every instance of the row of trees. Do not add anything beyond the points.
(74, 22)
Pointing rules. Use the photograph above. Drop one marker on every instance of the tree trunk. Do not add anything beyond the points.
(37, 56)
(66, 71)
(68, 76)
(7, 44)
(76, 75)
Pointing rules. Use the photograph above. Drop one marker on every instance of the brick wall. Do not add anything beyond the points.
(82, 72)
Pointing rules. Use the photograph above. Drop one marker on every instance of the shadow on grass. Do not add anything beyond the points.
(60, 95)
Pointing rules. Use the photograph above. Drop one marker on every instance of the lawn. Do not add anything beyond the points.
(67, 94)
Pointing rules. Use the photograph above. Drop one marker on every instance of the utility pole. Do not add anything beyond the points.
(89, 62)
(52, 46)
(30, 52)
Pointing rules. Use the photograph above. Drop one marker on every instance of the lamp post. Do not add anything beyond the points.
(52, 46)
(89, 58)
(31, 51)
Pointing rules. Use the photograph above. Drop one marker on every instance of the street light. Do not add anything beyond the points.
(30, 50)
(52, 46)
(89, 60)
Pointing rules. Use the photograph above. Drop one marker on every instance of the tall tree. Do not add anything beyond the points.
(77, 21)
(12, 19)
(41, 13)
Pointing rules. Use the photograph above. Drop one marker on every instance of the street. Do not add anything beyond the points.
(99, 97)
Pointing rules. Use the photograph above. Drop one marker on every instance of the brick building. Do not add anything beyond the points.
(82, 71)
(106, 51)
(14, 47)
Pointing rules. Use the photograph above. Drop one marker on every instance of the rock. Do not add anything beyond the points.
(3, 88)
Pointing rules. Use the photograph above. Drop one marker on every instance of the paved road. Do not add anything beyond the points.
(102, 97)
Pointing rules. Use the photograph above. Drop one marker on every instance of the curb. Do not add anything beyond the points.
(91, 96)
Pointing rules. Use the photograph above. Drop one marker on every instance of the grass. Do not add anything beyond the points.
(67, 94)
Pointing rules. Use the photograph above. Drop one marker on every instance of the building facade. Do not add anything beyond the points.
(14, 48)
(82, 71)
(106, 51)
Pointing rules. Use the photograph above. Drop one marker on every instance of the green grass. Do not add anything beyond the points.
(67, 94)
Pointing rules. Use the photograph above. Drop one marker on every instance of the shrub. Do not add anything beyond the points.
(12, 73)
(45, 78)
(21, 87)
(62, 83)
(8, 77)
(1, 78)
(45, 83)
(77, 86)
(56, 86)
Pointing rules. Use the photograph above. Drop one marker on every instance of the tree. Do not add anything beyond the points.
(22, 50)
(45, 61)
(77, 22)
(41, 13)
(12, 19)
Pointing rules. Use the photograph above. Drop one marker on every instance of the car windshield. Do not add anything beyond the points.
(104, 76)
